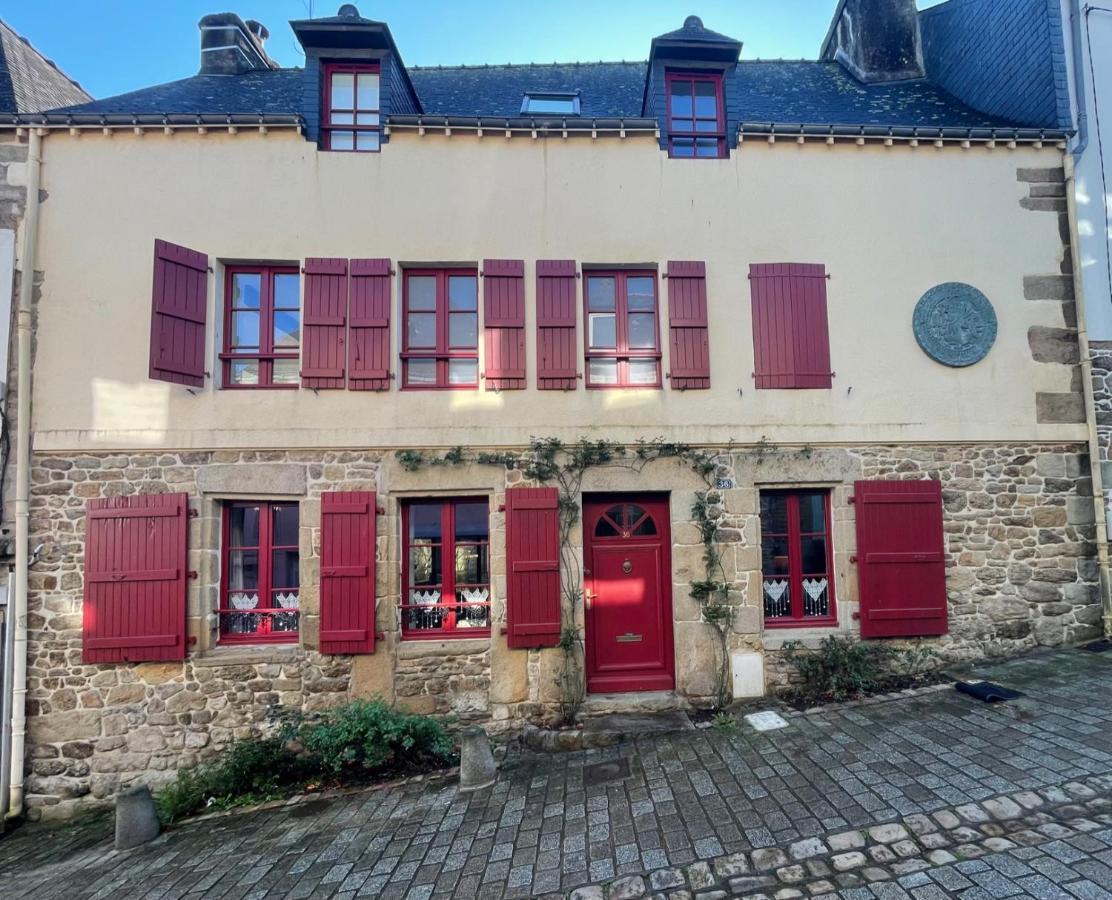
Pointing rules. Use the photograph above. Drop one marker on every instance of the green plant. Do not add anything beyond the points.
(368, 734)
(723, 722)
(841, 668)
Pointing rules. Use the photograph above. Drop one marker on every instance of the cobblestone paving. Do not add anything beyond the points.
(1028, 784)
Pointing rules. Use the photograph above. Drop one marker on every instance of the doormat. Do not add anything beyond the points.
(1101, 646)
(603, 772)
(766, 721)
(987, 691)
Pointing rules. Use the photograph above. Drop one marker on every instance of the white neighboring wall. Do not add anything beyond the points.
(1091, 63)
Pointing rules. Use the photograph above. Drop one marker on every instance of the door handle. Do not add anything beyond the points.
(588, 596)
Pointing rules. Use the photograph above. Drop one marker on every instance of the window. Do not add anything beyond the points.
(625, 520)
(550, 104)
(623, 343)
(440, 344)
(446, 577)
(796, 558)
(351, 108)
(259, 590)
(262, 327)
(696, 119)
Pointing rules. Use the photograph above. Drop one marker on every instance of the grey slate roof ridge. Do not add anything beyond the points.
(20, 83)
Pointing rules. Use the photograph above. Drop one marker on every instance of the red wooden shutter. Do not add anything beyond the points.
(557, 359)
(347, 572)
(901, 566)
(369, 342)
(323, 323)
(687, 321)
(178, 311)
(533, 567)
(135, 577)
(504, 323)
(791, 340)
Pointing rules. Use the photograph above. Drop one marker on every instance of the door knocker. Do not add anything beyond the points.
(627, 567)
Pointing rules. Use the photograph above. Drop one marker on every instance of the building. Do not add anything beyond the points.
(815, 303)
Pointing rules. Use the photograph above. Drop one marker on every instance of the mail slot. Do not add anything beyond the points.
(628, 638)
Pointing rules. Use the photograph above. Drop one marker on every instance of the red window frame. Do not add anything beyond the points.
(271, 614)
(687, 127)
(798, 614)
(266, 353)
(328, 126)
(443, 353)
(622, 351)
(447, 611)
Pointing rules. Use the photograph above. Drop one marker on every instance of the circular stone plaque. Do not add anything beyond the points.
(955, 324)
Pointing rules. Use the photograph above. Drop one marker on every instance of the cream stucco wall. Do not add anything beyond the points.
(887, 223)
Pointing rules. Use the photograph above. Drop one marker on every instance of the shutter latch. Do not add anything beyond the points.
(191, 575)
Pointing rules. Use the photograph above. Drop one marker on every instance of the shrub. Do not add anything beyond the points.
(841, 668)
(368, 734)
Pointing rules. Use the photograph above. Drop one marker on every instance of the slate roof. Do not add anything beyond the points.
(29, 82)
(781, 92)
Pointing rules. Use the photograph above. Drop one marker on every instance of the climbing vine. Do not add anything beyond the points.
(550, 460)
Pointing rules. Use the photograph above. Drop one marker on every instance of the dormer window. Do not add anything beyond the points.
(550, 104)
(351, 119)
(696, 118)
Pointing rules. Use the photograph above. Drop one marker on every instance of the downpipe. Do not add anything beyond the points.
(18, 603)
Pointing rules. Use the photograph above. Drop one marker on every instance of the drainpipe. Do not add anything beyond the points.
(18, 603)
(1077, 33)
(1099, 511)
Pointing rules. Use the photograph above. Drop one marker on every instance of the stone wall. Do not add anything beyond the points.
(1020, 568)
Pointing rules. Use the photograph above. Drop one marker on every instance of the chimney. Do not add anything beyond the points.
(876, 40)
(230, 46)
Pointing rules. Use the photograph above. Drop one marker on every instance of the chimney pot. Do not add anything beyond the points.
(349, 11)
(693, 22)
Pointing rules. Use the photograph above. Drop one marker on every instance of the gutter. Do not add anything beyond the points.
(18, 602)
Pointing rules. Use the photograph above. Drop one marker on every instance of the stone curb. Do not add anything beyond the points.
(875, 699)
(881, 852)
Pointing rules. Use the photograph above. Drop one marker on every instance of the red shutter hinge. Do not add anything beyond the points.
(852, 498)
(503, 630)
(501, 507)
(856, 615)
(380, 635)
(853, 557)
(380, 511)
(192, 513)
(191, 575)
(192, 640)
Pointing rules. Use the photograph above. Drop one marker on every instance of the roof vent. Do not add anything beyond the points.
(348, 11)
(693, 22)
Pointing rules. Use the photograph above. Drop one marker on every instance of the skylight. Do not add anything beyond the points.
(550, 103)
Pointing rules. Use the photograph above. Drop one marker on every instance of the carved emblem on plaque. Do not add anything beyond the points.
(955, 324)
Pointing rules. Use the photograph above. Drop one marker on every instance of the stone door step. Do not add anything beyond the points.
(634, 703)
(630, 725)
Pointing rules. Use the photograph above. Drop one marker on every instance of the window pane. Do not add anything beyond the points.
(683, 147)
(462, 292)
(463, 371)
(284, 569)
(706, 99)
(604, 371)
(245, 371)
(424, 521)
(606, 528)
(421, 291)
(421, 330)
(774, 513)
(640, 293)
(814, 555)
(343, 90)
(643, 371)
(424, 570)
(600, 294)
(287, 289)
(463, 330)
(471, 564)
(245, 329)
(681, 98)
(642, 331)
(284, 526)
(774, 556)
(285, 371)
(368, 91)
(421, 371)
(551, 105)
(343, 118)
(287, 329)
(471, 521)
(777, 598)
(710, 125)
(603, 335)
(816, 597)
(812, 513)
(243, 571)
(246, 290)
(367, 140)
(707, 147)
(243, 525)
(342, 140)
(367, 119)
(473, 616)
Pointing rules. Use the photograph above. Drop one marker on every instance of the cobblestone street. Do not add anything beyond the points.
(927, 796)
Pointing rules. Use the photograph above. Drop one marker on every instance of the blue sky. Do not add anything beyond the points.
(112, 46)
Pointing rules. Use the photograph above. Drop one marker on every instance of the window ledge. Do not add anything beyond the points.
(415, 649)
(809, 637)
(247, 656)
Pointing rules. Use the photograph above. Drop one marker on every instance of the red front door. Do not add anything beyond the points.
(628, 597)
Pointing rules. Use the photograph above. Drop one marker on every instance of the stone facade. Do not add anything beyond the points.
(1021, 573)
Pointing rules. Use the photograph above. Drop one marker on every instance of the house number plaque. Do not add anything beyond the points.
(629, 638)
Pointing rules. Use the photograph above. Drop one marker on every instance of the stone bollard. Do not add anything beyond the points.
(477, 769)
(136, 818)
